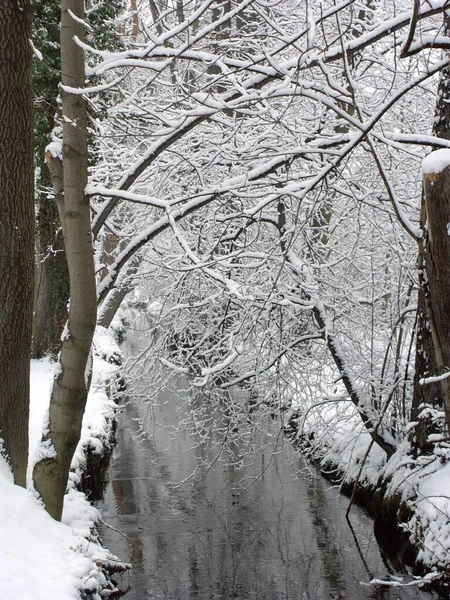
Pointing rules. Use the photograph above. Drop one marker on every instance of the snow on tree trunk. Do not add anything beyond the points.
(16, 231)
(70, 387)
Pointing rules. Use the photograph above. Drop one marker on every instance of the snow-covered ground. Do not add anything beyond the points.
(39, 557)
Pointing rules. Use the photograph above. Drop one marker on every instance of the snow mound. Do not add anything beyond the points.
(436, 161)
(39, 557)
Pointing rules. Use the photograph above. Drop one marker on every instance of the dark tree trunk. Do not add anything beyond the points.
(426, 359)
(425, 366)
(52, 284)
(52, 279)
(16, 230)
(436, 266)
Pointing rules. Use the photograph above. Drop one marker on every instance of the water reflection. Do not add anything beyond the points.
(249, 527)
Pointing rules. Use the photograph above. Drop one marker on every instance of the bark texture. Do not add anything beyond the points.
(16, 230)
(70, 387)
(52, 277)
(52, 284)
(52, 287)
(111, 305)
(437, 270)
(426, 359)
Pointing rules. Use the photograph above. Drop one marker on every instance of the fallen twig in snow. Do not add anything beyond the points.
(428, 578)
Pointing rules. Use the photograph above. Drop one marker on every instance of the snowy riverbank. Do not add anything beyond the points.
(39, 557)
(413, 492)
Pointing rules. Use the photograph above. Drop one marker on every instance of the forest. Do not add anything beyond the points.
(266, 183)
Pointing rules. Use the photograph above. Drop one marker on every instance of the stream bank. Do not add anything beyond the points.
(393, 492)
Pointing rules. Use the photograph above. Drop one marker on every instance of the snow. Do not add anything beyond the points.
(347, 440)
(92, 190)
(435, 379)
(436, 161)
(41, 558)
(423, 483)
(55, 149)
(432, 515)
(37, 53)
(79, 20)
(38, 556)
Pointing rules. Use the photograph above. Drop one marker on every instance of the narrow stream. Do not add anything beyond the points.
(266, 528)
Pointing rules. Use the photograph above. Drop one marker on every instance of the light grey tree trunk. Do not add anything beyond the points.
(111, 305)
(16, 230)
(70, 387)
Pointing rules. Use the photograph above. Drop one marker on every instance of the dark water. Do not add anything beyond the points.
(259, 527)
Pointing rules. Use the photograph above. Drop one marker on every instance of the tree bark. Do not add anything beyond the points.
(52, 285)
(111, 305)
(16, 230)
(51, 297)
(134, 20)
(425, 361)
(426, 364)
(70, 387)
(436, 265)
(52, 277)
(52, 293)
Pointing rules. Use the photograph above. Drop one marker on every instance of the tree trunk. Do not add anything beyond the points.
(16, 230)
(134, 20)
(70, 387)
(52, 294)
(51, 297)
(111, 305)
(52, 285)
(426, 364)
(52, 277)
(425, 361)
(436, 266)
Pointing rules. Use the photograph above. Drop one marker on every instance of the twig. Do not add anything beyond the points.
(123, 535)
